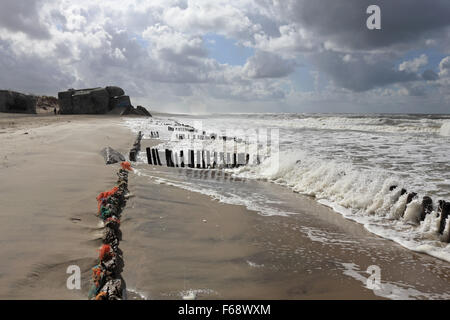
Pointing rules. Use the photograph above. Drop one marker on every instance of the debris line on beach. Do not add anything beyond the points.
(108, 283)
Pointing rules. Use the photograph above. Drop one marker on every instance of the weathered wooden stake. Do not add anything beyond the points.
(214, 160)
(167, 158)
(203, 160)
(241, 159)
(198, 159)
(157, 157)
(208, 159)
(133, 155)
(149, 156)
(181, 159)
(191, 160)
(176, 159)
(171, 159)
(154, 157)
(444, 213)
(427, 207)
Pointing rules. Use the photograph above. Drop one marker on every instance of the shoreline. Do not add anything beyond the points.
(175, 241)
(196, 244)
(309, 234)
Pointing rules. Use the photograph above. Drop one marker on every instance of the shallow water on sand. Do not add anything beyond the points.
(289, 247)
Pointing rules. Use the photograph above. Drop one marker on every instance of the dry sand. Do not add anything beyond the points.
(51, 172)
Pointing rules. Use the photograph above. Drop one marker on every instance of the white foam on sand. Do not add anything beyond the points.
(363, 196)
(141, 295)
(393, 291)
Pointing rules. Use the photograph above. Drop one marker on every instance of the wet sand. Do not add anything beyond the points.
(179, 241)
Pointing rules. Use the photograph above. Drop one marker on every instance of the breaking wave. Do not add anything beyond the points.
(445, 129)
(348, 163)
(365, 196)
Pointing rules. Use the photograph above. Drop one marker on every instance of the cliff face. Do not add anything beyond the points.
(16, 102)
(92, 101)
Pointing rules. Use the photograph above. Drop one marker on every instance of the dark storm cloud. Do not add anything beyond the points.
(338, 28)
(430, 75)
(344, 22)
(23, 16)
(357, 74)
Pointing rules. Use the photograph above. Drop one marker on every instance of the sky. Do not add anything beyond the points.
(201, 56)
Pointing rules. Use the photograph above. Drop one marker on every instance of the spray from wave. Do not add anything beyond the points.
(351, 164)
(371, 197)
(445, 129)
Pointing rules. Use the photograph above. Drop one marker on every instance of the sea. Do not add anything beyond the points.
(362, 166)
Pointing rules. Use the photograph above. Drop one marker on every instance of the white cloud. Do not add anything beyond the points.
(268, 65)
(222, 17)
(292, 40)
(157, 52)
(170, 44)
(444, 67)
(414, 65)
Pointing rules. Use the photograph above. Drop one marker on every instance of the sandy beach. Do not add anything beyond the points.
(51, 172)
(176, 241)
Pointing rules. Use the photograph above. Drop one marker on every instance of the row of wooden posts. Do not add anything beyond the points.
(443, 208)
(235, 160)
(203, 159)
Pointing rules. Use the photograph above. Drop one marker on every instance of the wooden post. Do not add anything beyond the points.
(427, 207)
(181, 159)
(171, 159)
(241, 159)
(189, 159)
(214, 160)
(155, 160)
(410, 197)
(444, 208)
(221, 161)
(157, 157)
(198, 159)
(203, 160)
(133, 155)
(176, 159)
(149, 156)
(208, 159)
(192, 159)
(167, 158)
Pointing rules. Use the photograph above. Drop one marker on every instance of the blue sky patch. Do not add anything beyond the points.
(227, 51)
